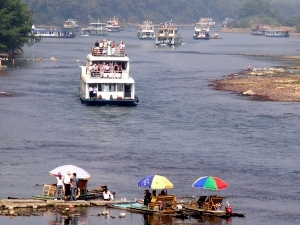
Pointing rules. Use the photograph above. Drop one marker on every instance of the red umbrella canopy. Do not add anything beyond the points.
(210, 182)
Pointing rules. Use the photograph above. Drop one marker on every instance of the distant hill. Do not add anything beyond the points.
(49, 12)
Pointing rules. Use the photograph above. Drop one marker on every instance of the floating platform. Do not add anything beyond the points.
(37, 204)
(218, 213)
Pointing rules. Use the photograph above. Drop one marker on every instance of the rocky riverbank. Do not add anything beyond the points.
(292, 30)
(267, 84)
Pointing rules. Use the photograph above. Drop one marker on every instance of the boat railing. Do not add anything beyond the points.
(108, 51)
(106, 74)
(166, 35)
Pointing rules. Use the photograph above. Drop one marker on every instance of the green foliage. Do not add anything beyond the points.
(242, 23)
(15, 25)
(258, 7)
(55, 12)
(50, 12)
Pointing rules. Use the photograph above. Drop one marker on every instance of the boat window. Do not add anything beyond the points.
(124, 65)
(120, 87)
(106, 87)
(112, 87)
(100, 87)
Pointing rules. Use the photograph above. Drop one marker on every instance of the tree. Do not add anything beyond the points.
(257, 7)
(15, 26)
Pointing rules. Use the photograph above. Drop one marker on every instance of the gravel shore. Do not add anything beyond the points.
(269, 84)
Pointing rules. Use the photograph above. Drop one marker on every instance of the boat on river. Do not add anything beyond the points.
(95, 29)
(105, 79)
(277, 33)
(70, 24)
(146, 31)
(258, 29)
(168, 34)
(52, 33)
(201, 30)
(113, 25)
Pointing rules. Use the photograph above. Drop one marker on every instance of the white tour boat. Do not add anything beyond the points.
(146, 31)
(70, 24)
(52, 33)
(168, 34)
(105, 79)
(276, 33)
(201, 30)
(95, 29)
(113, 25)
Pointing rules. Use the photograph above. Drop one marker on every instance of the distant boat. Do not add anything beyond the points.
(168, 34)
(201, 30)
(70, 25)
(277, 33)
(258, 29)
(146, 31)
(52, 33)
(95, 29)
(215, 36)
(113, 25)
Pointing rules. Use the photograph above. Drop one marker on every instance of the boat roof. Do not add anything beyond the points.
(98, 23)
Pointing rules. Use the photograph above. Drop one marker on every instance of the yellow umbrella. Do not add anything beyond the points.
(155, 182)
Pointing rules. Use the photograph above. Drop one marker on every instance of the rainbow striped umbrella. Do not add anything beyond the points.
(210, 182)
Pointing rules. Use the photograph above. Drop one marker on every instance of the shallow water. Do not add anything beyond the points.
(181, 129)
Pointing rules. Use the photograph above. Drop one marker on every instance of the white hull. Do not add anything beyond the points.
(146, 34)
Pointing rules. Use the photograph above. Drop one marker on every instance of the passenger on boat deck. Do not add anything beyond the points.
(116, 67)
(74, 186)
(59, 187)
(122, 46)
(106, 66)
(97, 44)
(67, 180)
(97, 66)
(111, 68)
(163, 192)
(107, 195)
(113, 47)
(147, 197)
(101, 44)
(153, 196)
(120, 67)
(104, 43)
(101, 69)
(108, 43)
(92, 67)
(91, 90)
(94, 91)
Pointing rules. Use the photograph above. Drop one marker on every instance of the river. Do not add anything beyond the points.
(182, 128)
